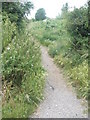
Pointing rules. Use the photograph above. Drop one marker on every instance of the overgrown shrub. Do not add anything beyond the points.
(77, 22)
(23, 75)
(9, 31)
(78, 74)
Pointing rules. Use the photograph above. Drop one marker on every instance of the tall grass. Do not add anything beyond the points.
(23, 75)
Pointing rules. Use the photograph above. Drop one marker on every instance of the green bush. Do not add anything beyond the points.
(45, 42)
(77, 22)
(49, 36)
(77, 26)
(9, 31)
(78, 74)
(53, 50)
(79, 77)
(23, 75)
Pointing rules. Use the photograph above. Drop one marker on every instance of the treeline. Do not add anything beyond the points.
(22, 78)
(67, 40)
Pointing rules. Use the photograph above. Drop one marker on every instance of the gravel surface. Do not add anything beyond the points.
(60, 99)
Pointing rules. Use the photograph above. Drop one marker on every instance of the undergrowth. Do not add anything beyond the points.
(23, 75)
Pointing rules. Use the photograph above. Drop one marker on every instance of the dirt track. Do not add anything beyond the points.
(60, 100)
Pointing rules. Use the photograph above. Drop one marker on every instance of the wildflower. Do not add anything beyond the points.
(32, 65)
(8, 48)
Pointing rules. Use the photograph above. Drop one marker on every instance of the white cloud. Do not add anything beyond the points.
(53, 7)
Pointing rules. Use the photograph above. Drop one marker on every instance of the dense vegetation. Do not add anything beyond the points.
(66, 38)
(23, 75)
(16, 12)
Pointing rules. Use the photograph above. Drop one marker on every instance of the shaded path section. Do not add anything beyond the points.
(60, 100)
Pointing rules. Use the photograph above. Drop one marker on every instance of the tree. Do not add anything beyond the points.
(16, 11)
(77, 22)
(40, 14)
(77, 26)
(64, 10)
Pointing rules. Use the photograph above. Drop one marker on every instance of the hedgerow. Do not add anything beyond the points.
(23, 75)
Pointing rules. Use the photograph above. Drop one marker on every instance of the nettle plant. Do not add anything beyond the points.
(9, 32)
(23, 74)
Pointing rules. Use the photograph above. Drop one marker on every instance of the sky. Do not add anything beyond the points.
(53, 7)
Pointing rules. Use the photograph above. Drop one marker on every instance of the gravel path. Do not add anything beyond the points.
(60, 100)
